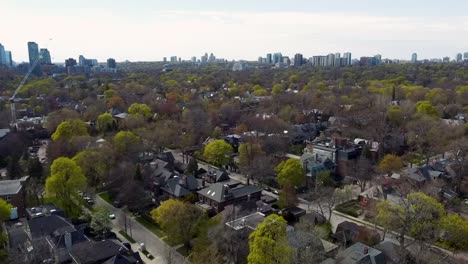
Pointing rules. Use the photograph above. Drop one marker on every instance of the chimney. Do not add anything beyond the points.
(185, 181)
(310, 148)
(366, 250)
(68, 241)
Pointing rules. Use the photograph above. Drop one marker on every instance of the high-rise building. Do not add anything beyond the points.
(269, 58)
(277, 57)
(465, 56)
(164, 59)
(446, 60)
(194, 59)
(348, 58)
(70, 62)
(298, 59)
(378, 59)
(459, 57)
(204, 58)
(45, 57)
(212, 58)
(33, 51)
(414, 58)
(111, 63)
(8, 58)
(330, 60)
(2, 55)
(173, 59)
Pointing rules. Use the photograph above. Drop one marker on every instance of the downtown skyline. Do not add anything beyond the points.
(152, 31)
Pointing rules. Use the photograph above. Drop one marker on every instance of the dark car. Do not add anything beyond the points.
(117, 204)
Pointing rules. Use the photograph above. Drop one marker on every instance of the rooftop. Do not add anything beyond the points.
(9, 187)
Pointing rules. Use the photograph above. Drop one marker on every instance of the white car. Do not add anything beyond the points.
(112, 216)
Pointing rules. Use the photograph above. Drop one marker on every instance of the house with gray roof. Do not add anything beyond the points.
(361, 254)
(220, 195)
(13, 191)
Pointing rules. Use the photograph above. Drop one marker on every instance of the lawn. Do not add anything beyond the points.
(151, 227)
(106, 197)
(129, 238)
(352, 208)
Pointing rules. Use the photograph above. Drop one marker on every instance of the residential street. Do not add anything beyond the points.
(154, 245)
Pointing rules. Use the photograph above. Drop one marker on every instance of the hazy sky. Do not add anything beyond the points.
(145, 30)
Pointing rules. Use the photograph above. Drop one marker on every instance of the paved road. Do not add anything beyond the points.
(139, 233)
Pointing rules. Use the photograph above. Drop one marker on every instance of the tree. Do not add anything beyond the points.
(69, 129)
(277, 89)
(100, 221)
(269, 243)
(125, 142)
(454, 231)
(95, 165)
(425, 107)
(390, 163)
(192, 167)
(35, 168)
(290, 172)
(140, 109)
(361, 171)
(178, 220)
(247, 153)
(218, 152)
(5, 210)
(418, 216)
(105, 122)
(62, 186)
(287, 197)
(395, 115)
(138, 175)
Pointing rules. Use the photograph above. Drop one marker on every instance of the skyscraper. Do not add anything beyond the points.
(298, 59)
(277, 57)
(330, 60)
(269, 58)
(8, 58)
(378, 59)
(459, 57)
(111, 63)
(414, 58)
(465, 56)
(46, 59)
(348, 58)
(33, 51)
(2, 55)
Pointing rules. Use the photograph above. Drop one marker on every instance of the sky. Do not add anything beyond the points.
(148, 30)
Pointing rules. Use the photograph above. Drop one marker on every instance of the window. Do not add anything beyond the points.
(8, 198)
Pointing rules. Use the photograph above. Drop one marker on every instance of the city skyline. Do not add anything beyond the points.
(238, 31)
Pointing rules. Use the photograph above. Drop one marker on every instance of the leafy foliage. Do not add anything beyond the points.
(390, 163)
(140, 109)
(105, 122)
(69, 129)
(290, 172)
(218, 152)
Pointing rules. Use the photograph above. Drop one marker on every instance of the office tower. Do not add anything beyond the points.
(33, 51)
(269, 58)
(459, 57)
(204, 58)
(348, 58)
(164, 59)
(465, 56)
(81, 60)
(446, 60)
(260, 59)
(378, 59)
(330, 60)
(70, 62)
(286, 60)
(2, 55)
(111, 64)
(414, 58)
(8, 58)
(45, 57)
(212, 58)
(277, 57)
(298, 59)
(173, 59)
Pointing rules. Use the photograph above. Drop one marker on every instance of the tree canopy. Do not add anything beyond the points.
(125, 141)
(105, 122)
(62, 186)
(268, 242)
(290, 172)
(390, 163)
(5, 210)
(218, 152)
(140, 109)
(69, 129)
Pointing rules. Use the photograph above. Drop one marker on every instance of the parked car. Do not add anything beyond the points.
(112, 216)
(117, 204)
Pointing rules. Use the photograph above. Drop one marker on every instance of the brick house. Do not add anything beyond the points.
(13, 192)
(220, 195)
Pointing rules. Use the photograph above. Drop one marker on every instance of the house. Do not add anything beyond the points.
(315, 164)
(103, 251)
(370, 197)
(298, 134)
(13, 191)
(359, 254)
(349, 232)
(424, 174)
(220, 195)
(215, 175)
(180, 186)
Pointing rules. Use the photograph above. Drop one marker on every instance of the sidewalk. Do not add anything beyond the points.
(135, 247)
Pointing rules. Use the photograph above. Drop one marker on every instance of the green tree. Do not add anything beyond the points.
(269, 243)
(105, 122)
(287, 197)
(178, 220)
(192, 167)
(5, 210)
(140, 109)
(35, 168)
(390, 163)
(395, 115)
(62, 186)
(125, 141)
(454, 231)
(425, 107)
(69, 129)
(218, 152)
(290, 172)
(418, 216)
(277, 89)
(100, 221)
(95, 165)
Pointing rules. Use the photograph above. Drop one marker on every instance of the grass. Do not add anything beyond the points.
(352, 208)
(129, 238)
(151, 227)
(106, 197)
(184, 251)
